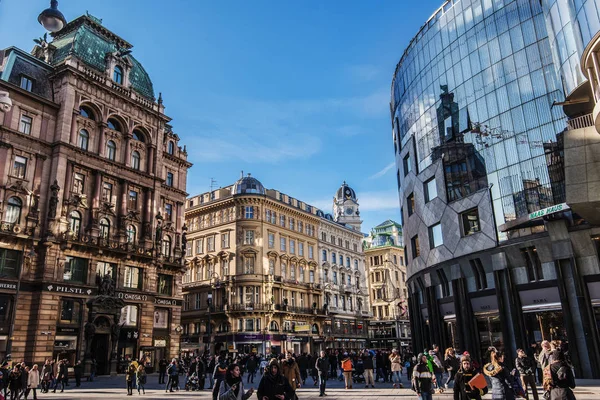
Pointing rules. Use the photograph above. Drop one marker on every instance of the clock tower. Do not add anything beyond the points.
(345, 207)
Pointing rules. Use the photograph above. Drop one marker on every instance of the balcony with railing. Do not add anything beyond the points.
(236, 307)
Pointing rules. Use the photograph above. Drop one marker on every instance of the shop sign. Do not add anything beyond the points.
(540, 297)
(550, 210)
(279, 337)
(302, 328)
(167, 302)
(447, 309)
(8, 286)
(61, 329)
(132, 296)
(301, 339)
(484, 304)
(249, 337)
(68, 289)
(230, 347)
(403, 344)
(160, 342)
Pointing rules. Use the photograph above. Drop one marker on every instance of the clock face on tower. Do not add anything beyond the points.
(349, 211)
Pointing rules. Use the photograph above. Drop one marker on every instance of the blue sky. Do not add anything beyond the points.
(294, 92)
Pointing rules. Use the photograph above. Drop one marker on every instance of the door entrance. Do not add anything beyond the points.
(101, 351)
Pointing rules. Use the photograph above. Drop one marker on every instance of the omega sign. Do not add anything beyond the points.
(132, 296)
(165, 302)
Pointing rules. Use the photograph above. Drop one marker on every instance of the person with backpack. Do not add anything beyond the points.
(347, 367)
(558, 378)
(526, 367)
(502, 380)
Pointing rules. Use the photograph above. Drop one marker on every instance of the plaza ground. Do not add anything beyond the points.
(114, 388)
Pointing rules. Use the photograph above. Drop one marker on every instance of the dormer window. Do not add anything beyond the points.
(26, 83)
(118, 75)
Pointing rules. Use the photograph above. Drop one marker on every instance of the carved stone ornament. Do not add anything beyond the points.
(53, 199)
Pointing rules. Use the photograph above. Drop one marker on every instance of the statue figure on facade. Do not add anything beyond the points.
(53, 199)
(106, 285)
(159, 232)
(89, 332)
(184, 240)
(115, 331)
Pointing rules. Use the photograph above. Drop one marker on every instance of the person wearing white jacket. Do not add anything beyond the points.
(33, 381)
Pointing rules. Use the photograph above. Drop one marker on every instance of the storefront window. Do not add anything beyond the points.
(9, 263)
(490, 333)
(161, 318)
(70, 311)
(547, 325)
(4, 308)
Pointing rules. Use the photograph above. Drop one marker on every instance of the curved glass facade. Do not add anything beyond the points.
(488, 64)
(571, 25)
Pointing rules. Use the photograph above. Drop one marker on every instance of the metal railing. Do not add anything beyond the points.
(249, 307)
(580, 122)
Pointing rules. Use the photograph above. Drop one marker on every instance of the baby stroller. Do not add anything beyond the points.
(358, 373)
(192, 383)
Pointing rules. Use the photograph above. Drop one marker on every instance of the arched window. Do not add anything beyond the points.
(135, 160)
(86, 112)
(111, 150)
(118, 75)
(84, 138)
(273, 327)
(171, 148)
(139, 136)
(131, 234)
(75, 223)
(166, 246)
(301, 273)
(104, 228)
(13, 210)
(114, 125)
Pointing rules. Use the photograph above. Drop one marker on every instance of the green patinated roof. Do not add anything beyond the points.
(83, 41)
(388, 222)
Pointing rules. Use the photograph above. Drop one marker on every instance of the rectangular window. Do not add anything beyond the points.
(75, 270)
(282, 220)
(410, 203)
(271, 240)
(169, 212)
(199, 246)
(78, 183)
(416, 251)
(25, 124)
(133, 278)
(292, 224)
(20, 167)
(249, 237)
(129, 315)
(407, 164)
(301, 249)
(165, 285)
(311, 276)
(10, 260)
(249, 265)
(532, 264)
(26, 83)
(210, 243)
(324, 255)
(132, 203)
(105, 268)
(249, 212)
(470, 222)
(310, 252)
(225, 240)
(435, 236)
(292, 246)
(282, 243)
(334, 277)
(70, 311)
(107, 189)
(169, 179)
(430, 190)
(300, 227)
(250, 325)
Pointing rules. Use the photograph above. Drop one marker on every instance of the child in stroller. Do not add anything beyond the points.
(358, 373)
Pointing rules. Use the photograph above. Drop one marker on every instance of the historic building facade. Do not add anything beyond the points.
(343, 272)
(498, 252)
(386, 272)
(91, 204)
(254, 275)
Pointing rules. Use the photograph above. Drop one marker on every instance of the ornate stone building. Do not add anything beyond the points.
(386, 270)
(92, 189)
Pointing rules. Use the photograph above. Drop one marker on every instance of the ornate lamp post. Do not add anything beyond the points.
(52, 19)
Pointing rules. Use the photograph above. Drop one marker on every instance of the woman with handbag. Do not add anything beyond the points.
(502, 380)
(232, 387)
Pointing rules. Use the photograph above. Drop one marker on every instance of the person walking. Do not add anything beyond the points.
(368, 366)
(545, 355)
(290, 370)
(14, 383)
(251, 366)
(218, 375)
(526, 367)
(78, 372)
(561, 380)
(24, 380)
(451, 364)
(46, 376)
(396, 367)
(423, 379)
(140, 379)
(347, 367)
(462, 388)
(438, 367)
(303, 366)
(93, 367)
(322, 367)
(33, 381)
(162, 371)
(61, 376)
(129, 378)
(502, 380)
(273, 385)
(232, 387)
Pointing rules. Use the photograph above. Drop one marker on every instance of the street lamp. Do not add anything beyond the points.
(209, 303)
(52, 19)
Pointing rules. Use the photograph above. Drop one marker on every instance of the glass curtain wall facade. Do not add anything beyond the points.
(494, 57)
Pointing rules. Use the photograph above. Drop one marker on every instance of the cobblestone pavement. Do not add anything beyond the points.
(113, 388)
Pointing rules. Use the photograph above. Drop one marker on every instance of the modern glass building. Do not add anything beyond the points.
(480, 102)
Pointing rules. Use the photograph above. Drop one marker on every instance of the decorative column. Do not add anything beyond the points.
(102, 126)
(74, 127)
(151, 164)
(127, 150)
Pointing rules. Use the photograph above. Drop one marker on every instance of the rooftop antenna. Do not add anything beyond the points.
(241, 174)
(213, 184)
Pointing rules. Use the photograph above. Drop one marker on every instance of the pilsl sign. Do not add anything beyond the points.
(550, 210)
(68, 289)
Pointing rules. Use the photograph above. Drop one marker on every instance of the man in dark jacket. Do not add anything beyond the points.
(367, 359)
(251, 366)
(162, 371)
(423, 379)
(219, 375)
(303, 365)
(526, 367)
(273, 384)
(462, 389)
(78, 371)
(322, 366)
(333, 365)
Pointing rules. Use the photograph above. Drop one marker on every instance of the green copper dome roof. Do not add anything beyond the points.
(89, 41)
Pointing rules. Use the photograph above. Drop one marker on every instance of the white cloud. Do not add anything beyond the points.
(384, 171)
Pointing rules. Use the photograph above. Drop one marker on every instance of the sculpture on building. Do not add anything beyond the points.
(53, 199)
